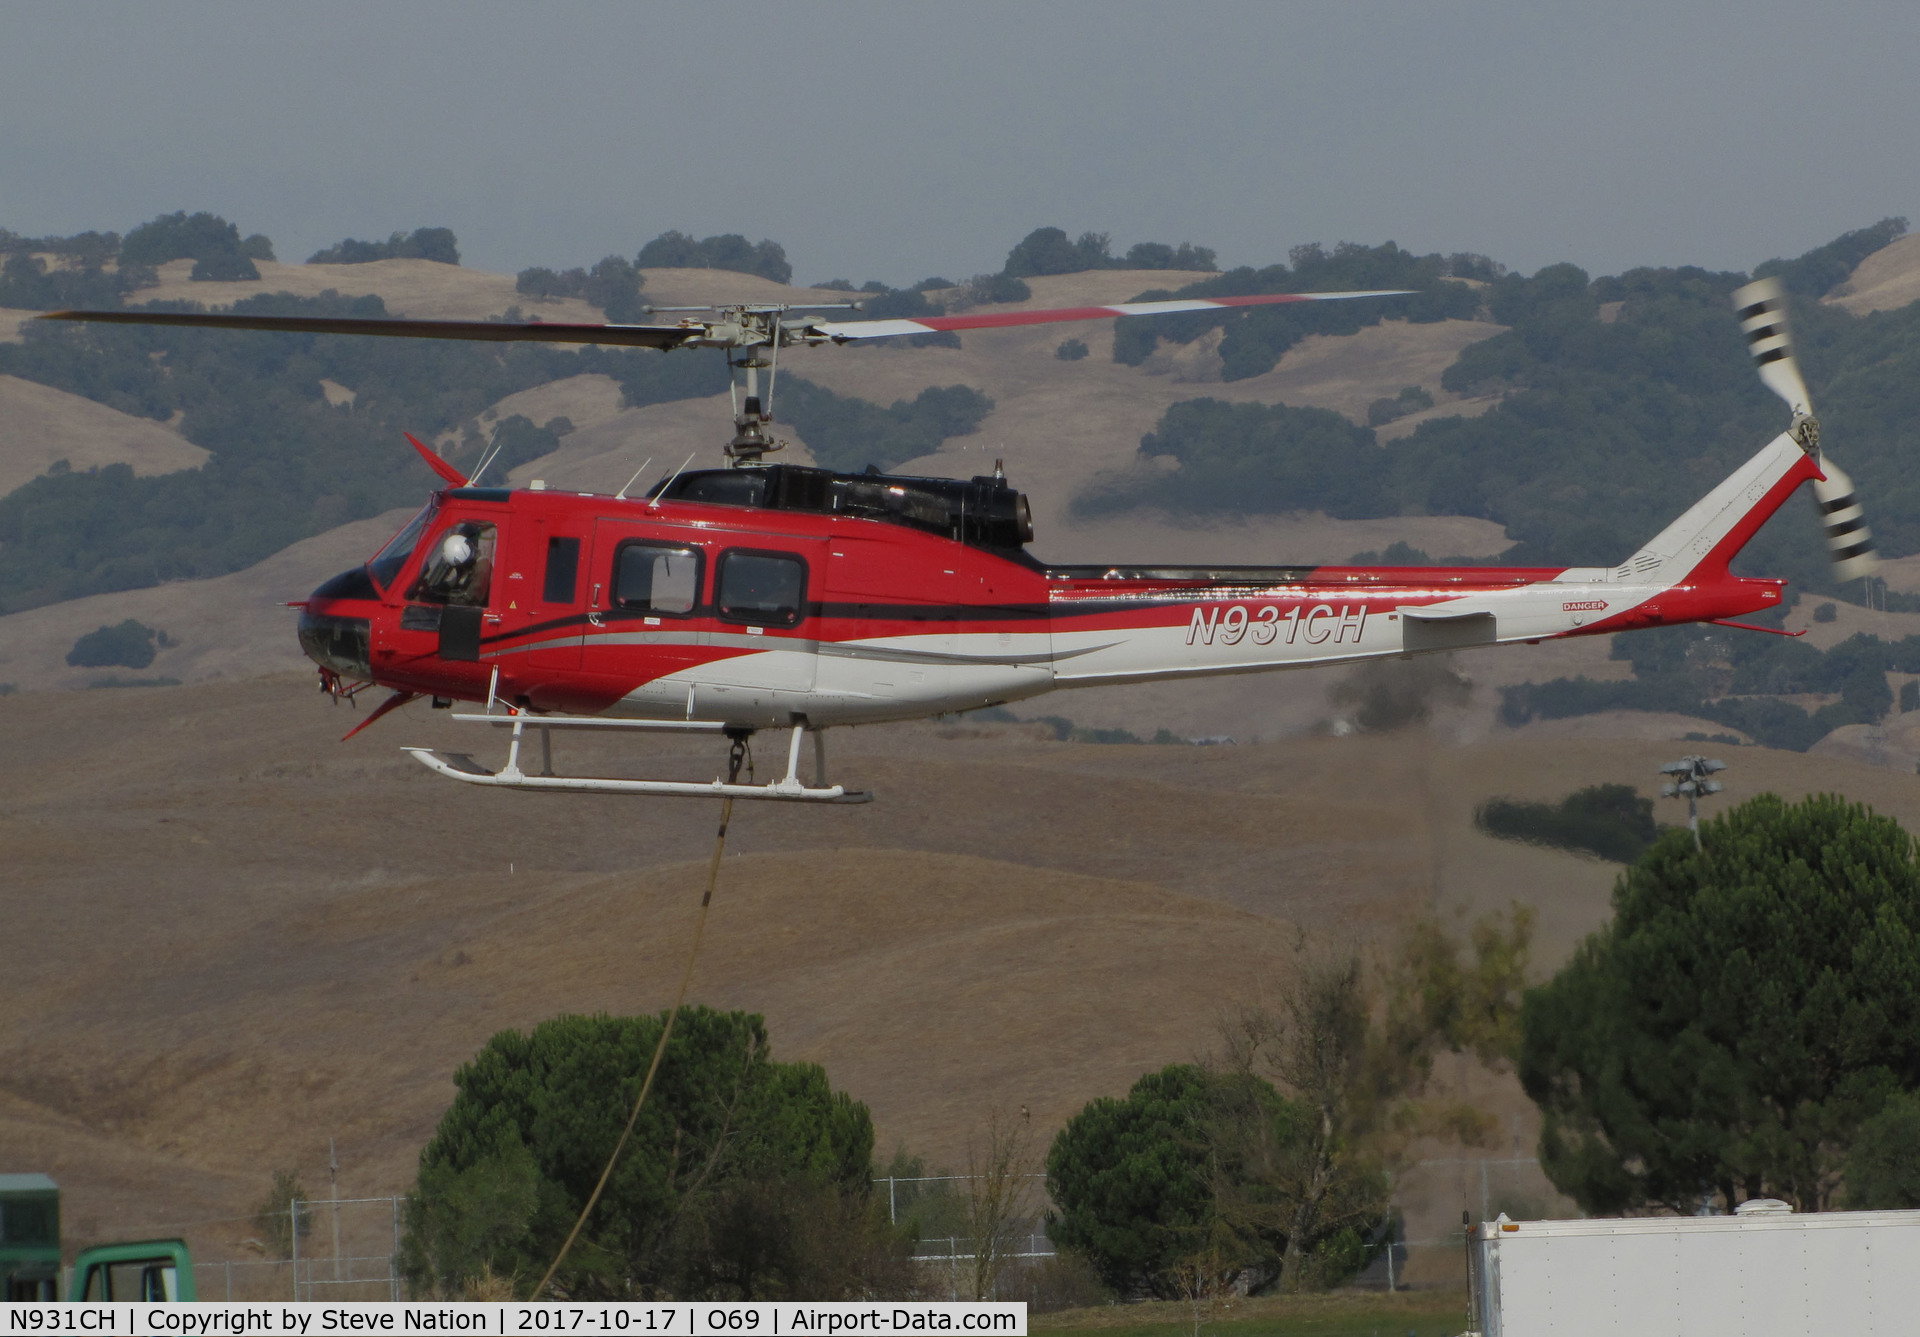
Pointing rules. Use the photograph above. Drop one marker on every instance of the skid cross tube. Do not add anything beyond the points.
(788, 788)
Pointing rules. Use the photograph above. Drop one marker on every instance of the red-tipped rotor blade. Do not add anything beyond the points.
(393, 702)
(487, 331)
(842, 331)
(435, 463)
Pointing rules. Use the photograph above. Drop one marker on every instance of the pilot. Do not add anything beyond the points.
(466, 560)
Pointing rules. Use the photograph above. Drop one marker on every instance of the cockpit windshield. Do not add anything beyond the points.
(387, 563)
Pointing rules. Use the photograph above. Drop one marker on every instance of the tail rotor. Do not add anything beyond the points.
(1762, 309)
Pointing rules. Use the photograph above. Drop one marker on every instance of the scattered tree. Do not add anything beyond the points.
(426, 243)
(128, 645)
(999, 1197)
(730, 250)
(1611, 821)
(27, 282)
(1411, 399)
(1071, 350)
(1825, 268)
(1046, 250)
(613, 285)
(232, 267)
(277, 1219)
(201, 237)
(1158, 255)
(849, 433)
(989, 289)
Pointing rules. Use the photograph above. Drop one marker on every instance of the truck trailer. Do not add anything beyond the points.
(1763, 1270)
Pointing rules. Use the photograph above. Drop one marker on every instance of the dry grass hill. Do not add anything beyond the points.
(233, 937)
(41, 426)
(1888, 278)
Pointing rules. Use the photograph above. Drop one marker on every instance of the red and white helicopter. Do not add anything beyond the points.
(772, 596)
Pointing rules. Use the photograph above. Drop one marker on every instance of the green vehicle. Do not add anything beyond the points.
(146, 1270)
(29, 1238)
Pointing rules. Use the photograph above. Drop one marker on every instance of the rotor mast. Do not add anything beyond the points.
(751, 335)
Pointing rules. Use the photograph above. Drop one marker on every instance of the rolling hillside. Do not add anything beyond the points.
(235, 937)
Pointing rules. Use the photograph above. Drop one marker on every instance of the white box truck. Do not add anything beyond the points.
(1762, 1271)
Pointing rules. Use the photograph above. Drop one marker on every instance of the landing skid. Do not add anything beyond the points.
(789, 788)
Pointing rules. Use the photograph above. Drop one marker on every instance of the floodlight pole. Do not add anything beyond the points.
(1691, 778)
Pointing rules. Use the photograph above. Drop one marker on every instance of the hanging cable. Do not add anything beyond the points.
(666, 1031)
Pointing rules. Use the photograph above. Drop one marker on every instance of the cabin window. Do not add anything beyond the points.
(766, 588)
(563, 570)
(656, 578)
(459, 567)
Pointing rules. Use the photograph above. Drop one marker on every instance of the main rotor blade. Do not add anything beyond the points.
(842, 331)
(488, 331)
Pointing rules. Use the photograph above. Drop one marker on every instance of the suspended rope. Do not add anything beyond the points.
(666, 1032)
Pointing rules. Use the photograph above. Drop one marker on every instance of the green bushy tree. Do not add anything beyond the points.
(282, 1215)
(848, 433)
(1750, 1012)
(613, 285)
(1825, 268)
(27, 283)
(427, 243)
(1159, 255)
(1046, 250)
(1272, 1163)
(1699, 671)
(1611, 821)
(180, 236)
(1251, 457)
(745, 1178)
(1133, 1180)
(127, 645)
(730, 250)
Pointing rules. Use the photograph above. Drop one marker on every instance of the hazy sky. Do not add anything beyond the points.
(897, 140)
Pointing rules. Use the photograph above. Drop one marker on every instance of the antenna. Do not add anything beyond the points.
(669, 483)
(486, 457)
(621, 495)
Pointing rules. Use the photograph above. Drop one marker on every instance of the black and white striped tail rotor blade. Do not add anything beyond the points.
(1762, 308)
(1849, 542)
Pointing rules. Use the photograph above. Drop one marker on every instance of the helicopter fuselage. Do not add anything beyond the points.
(780, 596)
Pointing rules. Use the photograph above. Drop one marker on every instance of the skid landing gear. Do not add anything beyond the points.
(788, 788)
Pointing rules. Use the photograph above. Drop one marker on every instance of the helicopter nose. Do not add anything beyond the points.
(331, 637)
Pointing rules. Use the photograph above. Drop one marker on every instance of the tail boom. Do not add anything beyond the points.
(1125, 629)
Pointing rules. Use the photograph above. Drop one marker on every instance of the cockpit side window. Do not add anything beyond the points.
(388, 561)
(459, 569)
